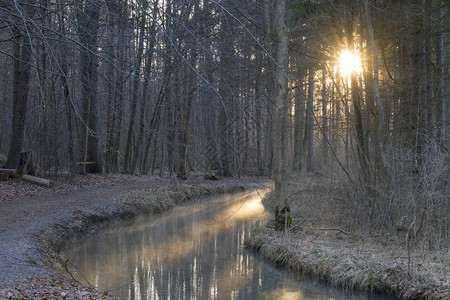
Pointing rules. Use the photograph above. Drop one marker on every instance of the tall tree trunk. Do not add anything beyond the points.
(299, 127)
(21, 77)
(418, 87)
(357, 102)
(185, 116)
(441, 97)
(88, 27)
(147, 70)
(324, 115)
(156, 115)
(259, 101)
(270, 86)
(309, 128)
(67, 97)
(223, 143)
(127, 160)
(379, 114)
(281, 94)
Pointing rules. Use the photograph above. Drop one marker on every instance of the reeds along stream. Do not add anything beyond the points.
(191, 252)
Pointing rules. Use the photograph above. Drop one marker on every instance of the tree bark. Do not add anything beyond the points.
(309, 129)
(22, 53)
(67, 98)
(37, 180)
(184, 127)
(88, 27)
(127, 160)
(147, 72)
(281, 94)
(324, 129)
(441, 97)
(379, 114)
(357, 102)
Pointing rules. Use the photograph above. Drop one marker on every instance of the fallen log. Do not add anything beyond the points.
(6, 174)
(37, 180)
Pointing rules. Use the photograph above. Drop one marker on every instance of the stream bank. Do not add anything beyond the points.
(34, 229)
(353, 258)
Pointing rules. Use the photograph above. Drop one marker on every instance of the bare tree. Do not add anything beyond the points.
(88, 27)
(22, 53)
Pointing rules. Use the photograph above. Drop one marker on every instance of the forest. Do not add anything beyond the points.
(354, 90)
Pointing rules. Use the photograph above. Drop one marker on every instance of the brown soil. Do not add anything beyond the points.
(36, 222)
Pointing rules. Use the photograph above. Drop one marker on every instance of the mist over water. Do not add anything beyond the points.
(191, 252)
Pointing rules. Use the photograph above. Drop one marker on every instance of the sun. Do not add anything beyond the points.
(349, 63)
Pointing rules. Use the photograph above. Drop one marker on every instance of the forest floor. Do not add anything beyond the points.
(353, 258)
(36, 222)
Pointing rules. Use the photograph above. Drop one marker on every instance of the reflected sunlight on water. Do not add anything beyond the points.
(192, 252)
(282, 294)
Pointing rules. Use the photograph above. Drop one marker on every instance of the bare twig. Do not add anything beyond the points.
(336, 229)
(294, 227)
(71, 275)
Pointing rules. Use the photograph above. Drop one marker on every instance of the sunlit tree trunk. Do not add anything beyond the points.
(357, 102)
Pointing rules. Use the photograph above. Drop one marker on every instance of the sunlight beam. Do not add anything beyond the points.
(349, 63)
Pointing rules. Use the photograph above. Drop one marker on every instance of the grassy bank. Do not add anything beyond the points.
(353, 258)
(351, 264)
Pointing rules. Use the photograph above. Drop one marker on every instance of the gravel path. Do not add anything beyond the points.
(22, 218)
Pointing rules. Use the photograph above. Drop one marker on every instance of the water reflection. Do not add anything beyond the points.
(194, 252)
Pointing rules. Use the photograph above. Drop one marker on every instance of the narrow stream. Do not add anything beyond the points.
(191, 252)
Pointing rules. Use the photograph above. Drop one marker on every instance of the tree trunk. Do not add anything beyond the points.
(184, 127)
(156, 115)
(441, 97)
(127, 160)
(357, 102)
(379, 115)
(281, 94)
(147, 72)
(67, 98)
(37, 180)
(88, 27)
(324, 115)
(309, 129)
(299, 126)
(21, 78)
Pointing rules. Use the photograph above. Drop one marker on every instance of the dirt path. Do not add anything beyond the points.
(22, 218)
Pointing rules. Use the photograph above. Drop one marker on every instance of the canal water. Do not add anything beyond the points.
(192, 252)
